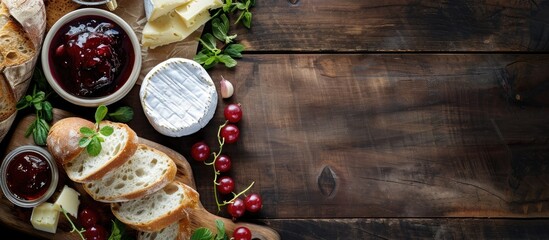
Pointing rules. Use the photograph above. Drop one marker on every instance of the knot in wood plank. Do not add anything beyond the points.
(327, 181)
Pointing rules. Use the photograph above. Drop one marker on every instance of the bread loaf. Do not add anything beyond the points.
(22, 27)
(158, 210)
(116, 150)
(63, 138)
(147, 171)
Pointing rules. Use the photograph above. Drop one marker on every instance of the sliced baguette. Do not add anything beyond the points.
(158, 210)
(147, 171)
(63, 138)
(116, 150)
(179, 230)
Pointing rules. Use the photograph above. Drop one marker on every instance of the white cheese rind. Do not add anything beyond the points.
(178, 97)
(45, 217)
(157, 8)
(170, 28)
(68, 199)
(190, 11)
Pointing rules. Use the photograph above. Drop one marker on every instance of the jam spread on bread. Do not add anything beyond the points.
(91, 57)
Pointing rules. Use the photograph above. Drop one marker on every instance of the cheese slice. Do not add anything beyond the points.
(178, 97)
(190, 11)
(169, 29)
(68, 199)
(45, 217)
(156, 8)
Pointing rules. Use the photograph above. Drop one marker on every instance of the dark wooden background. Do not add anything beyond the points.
(387, 119)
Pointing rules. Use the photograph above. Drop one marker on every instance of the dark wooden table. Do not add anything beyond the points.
(388, 119)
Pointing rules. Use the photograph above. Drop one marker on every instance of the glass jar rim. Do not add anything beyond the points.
(53, 169)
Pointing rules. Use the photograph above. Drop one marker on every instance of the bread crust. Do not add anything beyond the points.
(63, 138)
(119, 159)
(168, 177)
(190, 202)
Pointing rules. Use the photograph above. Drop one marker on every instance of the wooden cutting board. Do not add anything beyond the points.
(19, 218)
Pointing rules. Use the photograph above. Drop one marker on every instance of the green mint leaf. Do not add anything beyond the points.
(38, 106)
(227, 5)
(227, 60)
(87, 132)
(201, 58)
(122, 114)
(234, 50)
(23, 103)
(117, 230)
(226, 24)
(220, 230)
(29, 130)
(211, 60)
(106, 131)
(218, 30)
(38, 97)
(40, 132)
(240, 6)
(208, 41)
(94, 147)
(48, 110)
(100, 113)
(247, 19)
(84, 142)
(202, 234)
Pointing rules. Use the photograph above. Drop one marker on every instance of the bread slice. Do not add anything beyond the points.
(158, 210)
(7, 100)
(116, 150)
(63, 138)
(147, 171)
(15, 47)
(179, 230)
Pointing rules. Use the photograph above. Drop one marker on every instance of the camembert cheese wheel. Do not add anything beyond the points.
(178, 97)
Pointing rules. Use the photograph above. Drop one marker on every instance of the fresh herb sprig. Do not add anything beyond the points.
(40, 127)
(122, 114)
(210, 54)
(203, 233)
(92, 138)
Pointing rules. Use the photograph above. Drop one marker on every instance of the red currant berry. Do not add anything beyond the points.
(253, 202)
(96, 232)
(236, 208)
(225, 185)
(88, 217)
(230, 132)
(223, 163)
(200, 151)
(242, 233)
(233, 112)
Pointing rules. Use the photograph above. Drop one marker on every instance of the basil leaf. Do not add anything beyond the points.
(227, 5)
(117, 230)
(100, 113)
(211, 60)
(209, 41)
(40, 132)
(218, 29)
(94, 148)
(106, 131)
(30, 129)
(240, 6)
(122, 114)
(202, 234)
(38, 106)
(234, 50)
(38, 97)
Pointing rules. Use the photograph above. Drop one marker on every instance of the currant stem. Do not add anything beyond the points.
(237, 195)
(72, 224)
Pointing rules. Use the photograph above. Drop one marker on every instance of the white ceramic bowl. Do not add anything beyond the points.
(48, 65)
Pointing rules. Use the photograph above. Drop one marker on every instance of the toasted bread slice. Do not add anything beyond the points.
(158, 210)
(147, 171)
(15, 47)
(116, 150)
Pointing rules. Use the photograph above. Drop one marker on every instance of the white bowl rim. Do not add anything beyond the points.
(105, 100)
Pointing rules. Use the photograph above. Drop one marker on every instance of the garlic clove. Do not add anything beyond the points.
(227, 89)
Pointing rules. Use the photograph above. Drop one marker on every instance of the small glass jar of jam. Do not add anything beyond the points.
(29, 176)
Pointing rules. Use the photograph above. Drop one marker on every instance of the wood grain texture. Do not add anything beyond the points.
(19, 218)
(397, 25)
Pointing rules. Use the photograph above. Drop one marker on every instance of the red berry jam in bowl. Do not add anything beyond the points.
(91, 57)
(29, 176)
